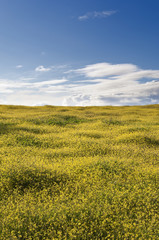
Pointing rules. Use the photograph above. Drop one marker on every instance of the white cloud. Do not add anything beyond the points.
(118, 84)
(96, 84)
(32, 93)
(7, 86)
(50, 82)
(42, 69)
(2, 101)
(106, 69)
(19, 66)
(27, 78)
(95, 14)
(84, 17)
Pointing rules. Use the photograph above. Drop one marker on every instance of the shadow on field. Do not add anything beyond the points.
(31, 130)
(141, 140)
(60, 120)
(28, 141)
(6, 127)
(35, 179)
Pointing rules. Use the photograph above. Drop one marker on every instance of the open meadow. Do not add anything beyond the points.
(79, 172)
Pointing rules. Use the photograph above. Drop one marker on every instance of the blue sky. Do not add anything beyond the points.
(79, 53)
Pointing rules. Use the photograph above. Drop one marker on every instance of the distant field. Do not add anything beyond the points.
(79, 172)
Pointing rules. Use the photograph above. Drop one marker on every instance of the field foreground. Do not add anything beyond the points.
(79, 172)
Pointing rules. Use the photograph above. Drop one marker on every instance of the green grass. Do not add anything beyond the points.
(79, 172)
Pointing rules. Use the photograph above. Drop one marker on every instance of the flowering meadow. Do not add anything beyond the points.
(79, 173)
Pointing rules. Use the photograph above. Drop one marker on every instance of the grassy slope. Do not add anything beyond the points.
(79, 173)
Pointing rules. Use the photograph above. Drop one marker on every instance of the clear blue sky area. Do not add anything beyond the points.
(86, 52)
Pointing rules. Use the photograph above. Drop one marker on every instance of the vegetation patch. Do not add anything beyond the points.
(112, 122)
(6, 127)
(24, 179)
(59, 120)
(27, 140)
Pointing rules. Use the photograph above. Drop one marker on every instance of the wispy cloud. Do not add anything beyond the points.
(49, 83)
(19, 66)
(27, 78)
(105, 69)
(95, 14)
(42, 69)
(8, 85)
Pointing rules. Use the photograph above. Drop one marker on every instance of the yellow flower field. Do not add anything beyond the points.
(79, 172)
